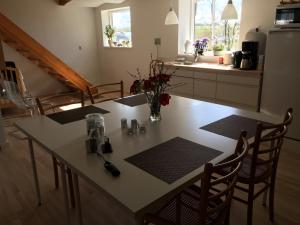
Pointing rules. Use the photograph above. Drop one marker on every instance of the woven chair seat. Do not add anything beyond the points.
(262, 171)
(191, 198)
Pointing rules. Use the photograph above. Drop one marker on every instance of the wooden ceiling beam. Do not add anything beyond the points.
(63, 2)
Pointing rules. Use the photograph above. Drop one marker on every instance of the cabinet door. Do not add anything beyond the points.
(245, 95)
(204, 89)
(184, 73)
(205, 85)
(185, 86)
(238, 89)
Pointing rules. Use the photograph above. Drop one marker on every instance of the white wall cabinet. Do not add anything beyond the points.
(239, 89)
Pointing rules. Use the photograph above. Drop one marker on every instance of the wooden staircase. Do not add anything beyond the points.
(16, 38)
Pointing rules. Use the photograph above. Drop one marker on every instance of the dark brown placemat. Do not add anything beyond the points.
(173, 159)
(232, 126)
(75, 114)
(134, 100)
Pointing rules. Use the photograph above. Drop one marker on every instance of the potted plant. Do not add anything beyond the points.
(218, 50)
(110, 32)
(200, 47)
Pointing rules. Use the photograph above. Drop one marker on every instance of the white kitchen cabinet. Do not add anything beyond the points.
(239, 89)
(238, 79)
(205, 85)
(185, 86)
(235, 88)
(183, 73)
(237, 93)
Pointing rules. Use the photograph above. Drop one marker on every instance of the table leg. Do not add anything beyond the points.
(259, 93)
(77, 199)
(65, 192)
(34, 169)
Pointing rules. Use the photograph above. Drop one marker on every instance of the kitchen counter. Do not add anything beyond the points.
(218, 83)
(214, 68)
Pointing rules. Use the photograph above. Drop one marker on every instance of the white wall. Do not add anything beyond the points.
(148, 22)
(148, 17)
(61, 29)
(257, 13)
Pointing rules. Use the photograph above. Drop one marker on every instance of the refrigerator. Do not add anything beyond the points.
(281, 81)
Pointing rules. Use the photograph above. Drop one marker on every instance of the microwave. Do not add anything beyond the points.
(288, 16)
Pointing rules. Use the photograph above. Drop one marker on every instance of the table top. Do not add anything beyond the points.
(135, 189)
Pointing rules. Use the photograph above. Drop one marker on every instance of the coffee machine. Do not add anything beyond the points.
(250, 55)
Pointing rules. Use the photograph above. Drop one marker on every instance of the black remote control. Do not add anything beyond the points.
(112, 169)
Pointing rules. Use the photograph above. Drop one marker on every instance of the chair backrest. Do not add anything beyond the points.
(101, 90)
(13, 75)
(52, 102)
(12, 88)
(266, 148)
(215, 186)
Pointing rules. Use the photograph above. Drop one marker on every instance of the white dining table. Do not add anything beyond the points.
(134, 191)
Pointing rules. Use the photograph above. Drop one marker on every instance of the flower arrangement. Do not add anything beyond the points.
(200, 46)
(154, 87)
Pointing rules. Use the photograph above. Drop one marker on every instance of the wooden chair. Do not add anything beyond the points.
(260, 166)
(205, 205)
(98, 92)
(14, 98)
(14, 75)
(53, 102)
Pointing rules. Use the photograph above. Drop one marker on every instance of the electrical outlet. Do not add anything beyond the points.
(157, 41)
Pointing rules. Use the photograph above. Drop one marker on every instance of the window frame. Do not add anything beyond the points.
(193, 20)
(107, 19)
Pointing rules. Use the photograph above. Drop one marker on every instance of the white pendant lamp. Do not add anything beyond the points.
(171, 18)
(229, 12)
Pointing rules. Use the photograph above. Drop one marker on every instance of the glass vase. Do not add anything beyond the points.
(155, 111)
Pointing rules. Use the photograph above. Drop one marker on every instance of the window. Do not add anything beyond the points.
(119, 20)
(208, 23)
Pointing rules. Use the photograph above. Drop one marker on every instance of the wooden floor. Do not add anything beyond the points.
(18, 205)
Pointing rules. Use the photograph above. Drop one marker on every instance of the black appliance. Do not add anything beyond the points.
(237, 59)
(250, 55)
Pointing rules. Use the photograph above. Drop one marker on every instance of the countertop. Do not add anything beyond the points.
(215, 68)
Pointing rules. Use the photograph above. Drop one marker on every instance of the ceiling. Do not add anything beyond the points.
(92, 3)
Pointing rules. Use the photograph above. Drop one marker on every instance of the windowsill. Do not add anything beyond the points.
(117, 47)
(207, 57)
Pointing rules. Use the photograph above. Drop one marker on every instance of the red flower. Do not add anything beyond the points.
(164, 99)
(164, 77)
(148, 85)
(153, 78)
